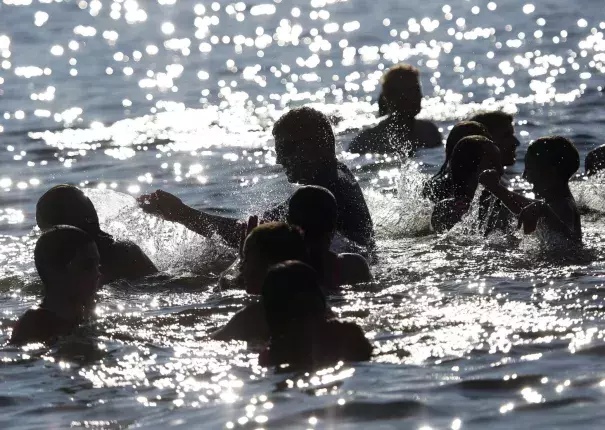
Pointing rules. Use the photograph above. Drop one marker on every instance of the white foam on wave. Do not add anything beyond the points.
(169, 245)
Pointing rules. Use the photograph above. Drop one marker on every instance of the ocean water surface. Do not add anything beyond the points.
(124, 97)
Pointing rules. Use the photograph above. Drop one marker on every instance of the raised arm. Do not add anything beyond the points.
(515, 202)
(171, 208)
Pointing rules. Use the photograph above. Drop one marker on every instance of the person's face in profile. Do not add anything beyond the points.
(297, 159)
(507, 143)
(84, 273)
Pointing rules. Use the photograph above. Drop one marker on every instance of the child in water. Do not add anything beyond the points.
(267, 245)
(67, 205)
(314, 210)
(595, 161)
(400, 133)
(67, 260)
(550, 163)
(471, 156)
(502, 130)
(300, 334)
(440, 186)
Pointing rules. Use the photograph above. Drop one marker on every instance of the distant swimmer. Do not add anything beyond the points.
(500, 126)
(440, 186)
(267, 245)
(315, 211)
(595, 161)
(68, 262)
(301, 335)
(471, 156)
(66, 204)
(550, 162)
(305, 147)
(400, 133)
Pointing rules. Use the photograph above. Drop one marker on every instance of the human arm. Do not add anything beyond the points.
(561, 222)
(515, 202)
(248, 324)
(171, 208)
(354, 269)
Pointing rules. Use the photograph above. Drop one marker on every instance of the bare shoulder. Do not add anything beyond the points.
(354, 268)
(428, 133)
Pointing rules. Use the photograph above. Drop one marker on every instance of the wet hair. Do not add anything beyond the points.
(495, 121)
(556, 151)
(277, 242)
(314, 210)
(67, 205)
(291, 292)
(595, 161)
(466, 158)
(56, 247)
(395, 83)
(306, 121)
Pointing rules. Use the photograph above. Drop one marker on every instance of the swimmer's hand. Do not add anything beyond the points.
(246, 229)
(163, 204)
(529, 216)
(490, 179)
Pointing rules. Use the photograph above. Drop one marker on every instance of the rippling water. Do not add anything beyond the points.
(125, 97)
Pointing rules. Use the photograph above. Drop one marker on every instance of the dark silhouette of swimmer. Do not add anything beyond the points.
(400, 133)
(66, 204)
(314, 210)
(440, 186)
(595, 161)
(305, 147)
(267, 245)
(550, 162)
(68, 262)
(502, 130)
(471, 156)
(300, 334)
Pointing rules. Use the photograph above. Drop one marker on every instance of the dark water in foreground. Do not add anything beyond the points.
(125, 97)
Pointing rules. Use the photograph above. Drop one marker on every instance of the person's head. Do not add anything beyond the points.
(292, 297)
(550, 162)
(304, 141)
(67, 205)
(266, 245)
(500, 126)
(595, 161)
(460, 131)
(67, 261)
(472, 156)
(401, 91)
(315, 211)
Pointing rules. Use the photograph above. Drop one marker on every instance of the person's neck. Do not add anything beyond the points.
(320, 171)
(403, 119)
(66, 310)
(553, 192)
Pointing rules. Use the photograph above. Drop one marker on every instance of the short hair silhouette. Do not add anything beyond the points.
(277, 242)
(314, 210)
(308, 122)
(67, 205)
(397, 84)
(556, 151)
(467, 156)
(595, 161)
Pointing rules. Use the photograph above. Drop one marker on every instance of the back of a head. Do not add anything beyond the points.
(401, 91)
(291, 292)
(276, 242)
(305, 124)
(595, 161)
(56, 247)
(460, 131)
(555, 151)
(496, 122)
(314, 210)
(467, 156)
(67, 205)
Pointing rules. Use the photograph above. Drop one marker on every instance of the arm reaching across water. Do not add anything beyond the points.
(490, 179)
(171, 208)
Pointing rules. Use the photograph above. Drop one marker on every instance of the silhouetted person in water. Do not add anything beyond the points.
(550, 162)
(400, 133)
(471, 156)
(502, 130)
(595, 161)
(67, 261)
(66, 204)
(314, 210)
(267, 245)
(300, 334)
(440, 186)
(305, 147)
